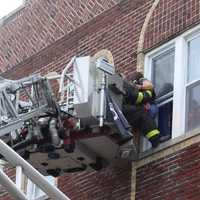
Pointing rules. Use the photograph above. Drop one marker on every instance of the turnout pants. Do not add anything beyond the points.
(142, 121)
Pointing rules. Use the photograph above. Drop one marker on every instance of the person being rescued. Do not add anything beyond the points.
(139, 108)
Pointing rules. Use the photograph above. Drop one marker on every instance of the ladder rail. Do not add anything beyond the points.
(11, 187)
(19, 110)
(12, 157)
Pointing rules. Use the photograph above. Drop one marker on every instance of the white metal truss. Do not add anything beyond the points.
(23, 101)
(16, 160)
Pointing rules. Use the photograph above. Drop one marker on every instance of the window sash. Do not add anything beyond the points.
(192, 36)
(191, 72)
(189, 85)
(148, 73)
(156, 68)
(172, 96)
(192, 84)
(165, 99)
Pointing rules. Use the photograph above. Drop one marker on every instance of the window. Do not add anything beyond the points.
(35, 193)
(159, 68)
(193, 85)
(174, 70)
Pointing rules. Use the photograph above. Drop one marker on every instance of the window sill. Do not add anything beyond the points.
(170, 143)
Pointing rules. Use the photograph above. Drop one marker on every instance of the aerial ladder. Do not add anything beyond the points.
(72, 133)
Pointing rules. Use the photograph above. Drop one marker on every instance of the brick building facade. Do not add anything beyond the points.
(42, 37)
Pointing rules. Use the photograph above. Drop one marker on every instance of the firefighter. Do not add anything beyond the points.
(146, 87)
(138, 93)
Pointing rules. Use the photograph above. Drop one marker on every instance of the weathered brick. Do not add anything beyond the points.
(46, 34)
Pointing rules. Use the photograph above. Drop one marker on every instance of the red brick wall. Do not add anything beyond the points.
(173, 177)
(171, 18)
(10, 172)
(111, 183)
(42, 22)
(116, 29)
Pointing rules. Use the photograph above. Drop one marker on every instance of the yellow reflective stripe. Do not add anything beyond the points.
(152, 133)
(139, 97)
(149, 93)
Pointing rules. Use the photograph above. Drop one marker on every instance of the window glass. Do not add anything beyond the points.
(193, 107)
(165, 121)
(163, 73)
(34, 192)
(39, 192)
(163, 78)
(193, 60)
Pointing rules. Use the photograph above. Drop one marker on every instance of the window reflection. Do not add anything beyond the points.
(163, 79)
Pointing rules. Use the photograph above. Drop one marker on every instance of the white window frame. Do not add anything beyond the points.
(31, 190)
(180, 76)
(2, 163)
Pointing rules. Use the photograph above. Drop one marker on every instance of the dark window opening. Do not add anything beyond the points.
(165, 121)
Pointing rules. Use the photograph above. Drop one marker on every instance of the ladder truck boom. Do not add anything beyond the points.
(78, 131)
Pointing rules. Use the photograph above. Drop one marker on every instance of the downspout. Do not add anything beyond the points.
(140, 68)
(140, 52)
